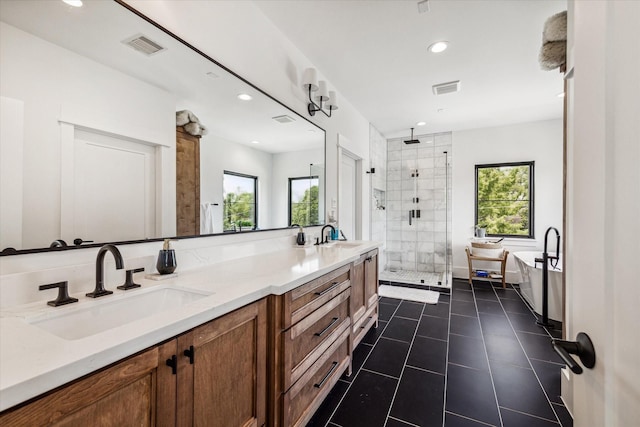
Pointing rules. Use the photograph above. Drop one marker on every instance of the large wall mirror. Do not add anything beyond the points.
(90, 143)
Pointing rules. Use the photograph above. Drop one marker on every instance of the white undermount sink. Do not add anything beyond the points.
(341, 244)
(112, 311)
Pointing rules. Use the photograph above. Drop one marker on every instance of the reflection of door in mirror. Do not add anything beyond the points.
(347, 196)
(188, 183)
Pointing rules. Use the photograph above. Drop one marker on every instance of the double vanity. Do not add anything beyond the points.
(251, 341)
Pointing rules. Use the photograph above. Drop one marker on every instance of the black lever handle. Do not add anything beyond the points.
(129, 283)
(582, 347)
(78, 241)
(63, 294)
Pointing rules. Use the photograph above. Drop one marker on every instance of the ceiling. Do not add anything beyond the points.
(375, 54)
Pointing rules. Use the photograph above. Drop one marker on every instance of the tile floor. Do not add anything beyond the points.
(477, 358)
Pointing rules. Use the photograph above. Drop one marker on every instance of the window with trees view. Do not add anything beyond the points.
(240, 201)
(303, 200)
(504, 199)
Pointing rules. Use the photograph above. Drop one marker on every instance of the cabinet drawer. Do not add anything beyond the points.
(305, 340)
(304, 398)
(305, 299)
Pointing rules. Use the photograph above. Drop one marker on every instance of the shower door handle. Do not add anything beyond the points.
(412, 214)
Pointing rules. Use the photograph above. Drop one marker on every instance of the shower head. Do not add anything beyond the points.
(412, 141)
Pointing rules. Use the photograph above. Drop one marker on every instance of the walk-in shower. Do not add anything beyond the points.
(418, 214)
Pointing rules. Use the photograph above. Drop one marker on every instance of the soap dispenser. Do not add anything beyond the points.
(166, 259)
(301, 238)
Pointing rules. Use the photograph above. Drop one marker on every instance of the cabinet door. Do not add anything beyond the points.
(371, 279)
(137, 391)
(227, 380)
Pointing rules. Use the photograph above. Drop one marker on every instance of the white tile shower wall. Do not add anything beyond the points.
(379, 191)
(421, 244)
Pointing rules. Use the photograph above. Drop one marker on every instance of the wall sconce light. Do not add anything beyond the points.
(311, 84)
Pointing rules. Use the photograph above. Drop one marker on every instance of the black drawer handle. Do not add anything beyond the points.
(322, 332)
(364, 326)
(190, 353)
(333, 285)
(334, 365)
(173, 363)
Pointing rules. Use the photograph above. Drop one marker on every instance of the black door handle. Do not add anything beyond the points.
(173, 364)
(190, 353)
(582, 347)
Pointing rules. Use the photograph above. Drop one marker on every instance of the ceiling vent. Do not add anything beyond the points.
(144, 44)
(444, 88)
(284, 119)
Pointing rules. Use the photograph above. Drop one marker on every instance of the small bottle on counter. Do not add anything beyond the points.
(166, 259)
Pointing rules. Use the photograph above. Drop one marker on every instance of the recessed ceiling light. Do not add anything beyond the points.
(74, 3)
(560, 95)
(438, 47)
(245, 96)
(212, 75)
(440, 110)
(421, 123)
(255, 142)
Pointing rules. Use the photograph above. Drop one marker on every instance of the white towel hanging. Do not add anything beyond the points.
(206, 218)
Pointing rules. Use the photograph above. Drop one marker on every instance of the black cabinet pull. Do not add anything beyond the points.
(334, 365)
(190, 353)
(333, 285)
(173, 364)
(322, 332)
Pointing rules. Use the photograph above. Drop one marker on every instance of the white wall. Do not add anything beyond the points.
(70, 88)
(538, 141)
(241, 38)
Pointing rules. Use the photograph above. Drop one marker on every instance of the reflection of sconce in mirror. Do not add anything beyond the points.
(311, 84)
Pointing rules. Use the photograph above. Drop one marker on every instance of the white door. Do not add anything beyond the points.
(115, 198)
(603, 211)
(347, 197)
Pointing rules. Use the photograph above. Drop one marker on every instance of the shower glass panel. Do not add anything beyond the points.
(418, 239)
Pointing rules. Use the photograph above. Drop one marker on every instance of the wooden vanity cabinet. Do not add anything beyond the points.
(364, 294)
(140, 390)
(224, 386)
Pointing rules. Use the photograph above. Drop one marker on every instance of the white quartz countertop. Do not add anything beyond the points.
(33, 360)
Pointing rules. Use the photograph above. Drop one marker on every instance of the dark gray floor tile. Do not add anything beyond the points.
(438, 310)
(516, 419)
(515, 306)
(464, 325)
(525, 323)
(495, 324)
(391, 422)
(433, 327)
(470, 394)
(460, 295)
(385, 311)
(420, 398)
(482, 285)
(390, 301)
(508, 294)
(388, 357)
(549, 376)
(518, 389)
(563, 415)
(506, 349)
(538, 347)
(467, 351)
(359, 356)
(323, 414)
(463, 308)
(367, 402)
(485, 294)
(400, 329)
(429, 354)
(444, 297)
(454, 420)
(460, 284)
(372, 336)
(491, 307)
(410, 310)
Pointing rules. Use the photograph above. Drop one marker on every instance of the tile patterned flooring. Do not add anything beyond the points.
(477, 358)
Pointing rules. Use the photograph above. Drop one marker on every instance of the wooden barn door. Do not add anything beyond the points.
(187, 183)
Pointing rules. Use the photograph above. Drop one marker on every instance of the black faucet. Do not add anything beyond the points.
(326, 239)
(100, 291)
(58, 244)
(546, 260)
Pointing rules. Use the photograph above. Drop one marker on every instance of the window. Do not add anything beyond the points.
(240, 201)
(303, 200)
(504, 199)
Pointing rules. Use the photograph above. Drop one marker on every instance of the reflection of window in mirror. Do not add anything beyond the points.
(303, 200)
(240, 201)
